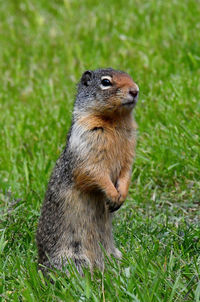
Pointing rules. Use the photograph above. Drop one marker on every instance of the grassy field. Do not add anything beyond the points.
(44, 48)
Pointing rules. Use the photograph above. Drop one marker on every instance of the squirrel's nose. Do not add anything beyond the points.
(133, 92)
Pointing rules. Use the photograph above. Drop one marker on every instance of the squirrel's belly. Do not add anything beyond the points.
(88, 227)
(88, 216)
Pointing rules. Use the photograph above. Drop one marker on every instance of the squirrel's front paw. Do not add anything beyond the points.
(123, 191)
(112, 207)
(115, 197)
(114, 202)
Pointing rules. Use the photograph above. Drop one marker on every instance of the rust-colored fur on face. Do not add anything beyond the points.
(92, 176)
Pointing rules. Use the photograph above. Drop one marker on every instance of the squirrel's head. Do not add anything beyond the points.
(106, 91)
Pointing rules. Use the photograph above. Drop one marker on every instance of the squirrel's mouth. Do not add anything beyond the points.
(130, 103)
(130, 100)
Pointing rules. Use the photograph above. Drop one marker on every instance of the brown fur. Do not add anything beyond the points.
(117, 133)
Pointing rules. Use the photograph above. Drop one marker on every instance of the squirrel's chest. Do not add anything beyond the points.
(120, 146)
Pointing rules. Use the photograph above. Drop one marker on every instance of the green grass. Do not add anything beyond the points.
(44, 48)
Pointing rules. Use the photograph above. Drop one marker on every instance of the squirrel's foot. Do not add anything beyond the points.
(117, 254)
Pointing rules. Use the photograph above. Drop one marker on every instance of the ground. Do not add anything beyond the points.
(44, 48)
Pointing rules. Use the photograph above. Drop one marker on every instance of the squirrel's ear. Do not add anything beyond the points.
(86, 77)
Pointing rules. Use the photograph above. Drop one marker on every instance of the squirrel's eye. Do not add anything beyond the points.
(106, 82)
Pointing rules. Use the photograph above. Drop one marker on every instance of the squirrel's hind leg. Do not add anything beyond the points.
(65, 264)
(116, 253)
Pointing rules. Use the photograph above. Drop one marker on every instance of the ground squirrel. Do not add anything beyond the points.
(92, 176)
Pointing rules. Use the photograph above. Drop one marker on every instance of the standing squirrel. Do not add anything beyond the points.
(92, 176)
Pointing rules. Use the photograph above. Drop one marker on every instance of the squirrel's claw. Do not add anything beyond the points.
(114, 206)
